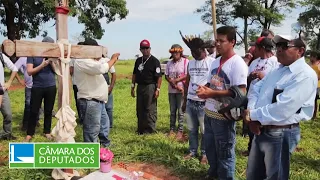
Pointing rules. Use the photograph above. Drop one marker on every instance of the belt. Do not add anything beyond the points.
(197, 102)
(95, 100)
(289, 126)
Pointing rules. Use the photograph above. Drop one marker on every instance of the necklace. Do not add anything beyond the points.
(222, 63)
(141, 66)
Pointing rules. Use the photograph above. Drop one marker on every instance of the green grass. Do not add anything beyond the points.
(157, 148)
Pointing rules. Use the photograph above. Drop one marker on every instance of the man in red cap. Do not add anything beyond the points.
(260, 67)
(147, 74)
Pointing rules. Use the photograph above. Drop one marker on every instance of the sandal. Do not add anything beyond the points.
(48, 136)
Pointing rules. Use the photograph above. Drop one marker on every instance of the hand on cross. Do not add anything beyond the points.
(115, 55)
(45, 63)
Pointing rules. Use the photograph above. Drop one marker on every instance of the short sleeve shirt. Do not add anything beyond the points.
(233, 72)
(263, 65)
(149, 71)
(176, 70)
(45, 77)
(198, 71)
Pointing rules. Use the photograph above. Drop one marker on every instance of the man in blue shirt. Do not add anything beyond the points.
(277, 104)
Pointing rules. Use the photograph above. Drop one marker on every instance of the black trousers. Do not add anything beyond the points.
(75, 92)
(146, 108)
(246, 131)
(48, 95)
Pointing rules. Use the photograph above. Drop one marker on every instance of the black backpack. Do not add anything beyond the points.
(1, 58)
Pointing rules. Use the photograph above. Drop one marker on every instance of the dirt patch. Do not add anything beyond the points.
(3, 158)
(16, 87)
(150, 171)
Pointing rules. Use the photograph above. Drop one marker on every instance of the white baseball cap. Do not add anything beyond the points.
(282, 38)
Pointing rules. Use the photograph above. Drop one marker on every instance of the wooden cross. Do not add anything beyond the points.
(42, 49)
(214, 18)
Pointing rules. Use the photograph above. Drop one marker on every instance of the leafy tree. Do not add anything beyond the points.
(23, 18)
(252, 14)
(207, 35)
(310, 22)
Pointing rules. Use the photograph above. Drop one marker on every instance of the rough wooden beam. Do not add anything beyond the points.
(43, 49)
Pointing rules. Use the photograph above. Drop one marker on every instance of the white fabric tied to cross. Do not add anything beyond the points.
(64, 129)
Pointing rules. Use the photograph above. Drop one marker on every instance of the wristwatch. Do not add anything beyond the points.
(158, 89)
(132, 85)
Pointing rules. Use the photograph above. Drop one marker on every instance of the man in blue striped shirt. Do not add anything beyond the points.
(277, 104)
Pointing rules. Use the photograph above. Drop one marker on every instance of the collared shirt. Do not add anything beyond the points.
(102, 60)
(89, 79)
(21, 65)
(298, 82)
(8, 63)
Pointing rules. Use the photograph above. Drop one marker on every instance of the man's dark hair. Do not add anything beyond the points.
(90, 42)
(300, 44)
(229, 31)
(266, 33)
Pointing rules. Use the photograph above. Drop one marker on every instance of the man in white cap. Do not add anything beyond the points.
(277, 104)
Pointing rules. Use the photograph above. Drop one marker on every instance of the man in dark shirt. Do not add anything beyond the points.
(147, 74)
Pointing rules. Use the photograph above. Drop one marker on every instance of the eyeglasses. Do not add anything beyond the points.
(284, 45)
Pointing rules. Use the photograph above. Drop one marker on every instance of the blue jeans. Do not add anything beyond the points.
(270, 153)
(195, 118)
(220, 140)
(109, 109)
(95, 121)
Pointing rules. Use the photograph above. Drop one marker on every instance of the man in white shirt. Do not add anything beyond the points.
(5, 105)
(109, 104)
(197, 73)
(220, 130)
(92, 95)
(260, 67)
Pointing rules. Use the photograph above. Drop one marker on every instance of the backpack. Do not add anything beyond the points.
(1, 58)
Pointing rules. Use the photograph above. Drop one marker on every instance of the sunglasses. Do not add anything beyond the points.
(284, 45)
(144, 48)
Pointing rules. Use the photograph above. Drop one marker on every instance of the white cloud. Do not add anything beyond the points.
(160, 9)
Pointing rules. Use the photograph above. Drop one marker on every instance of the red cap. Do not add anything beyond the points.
(144, 43)
(259, 40)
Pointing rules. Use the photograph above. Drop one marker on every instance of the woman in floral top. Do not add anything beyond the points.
(175, 74)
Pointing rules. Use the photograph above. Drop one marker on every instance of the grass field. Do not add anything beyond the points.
(157, 148)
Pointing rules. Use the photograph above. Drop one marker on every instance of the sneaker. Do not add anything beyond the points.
(8, 137)
(204, 159)
(189, 156)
